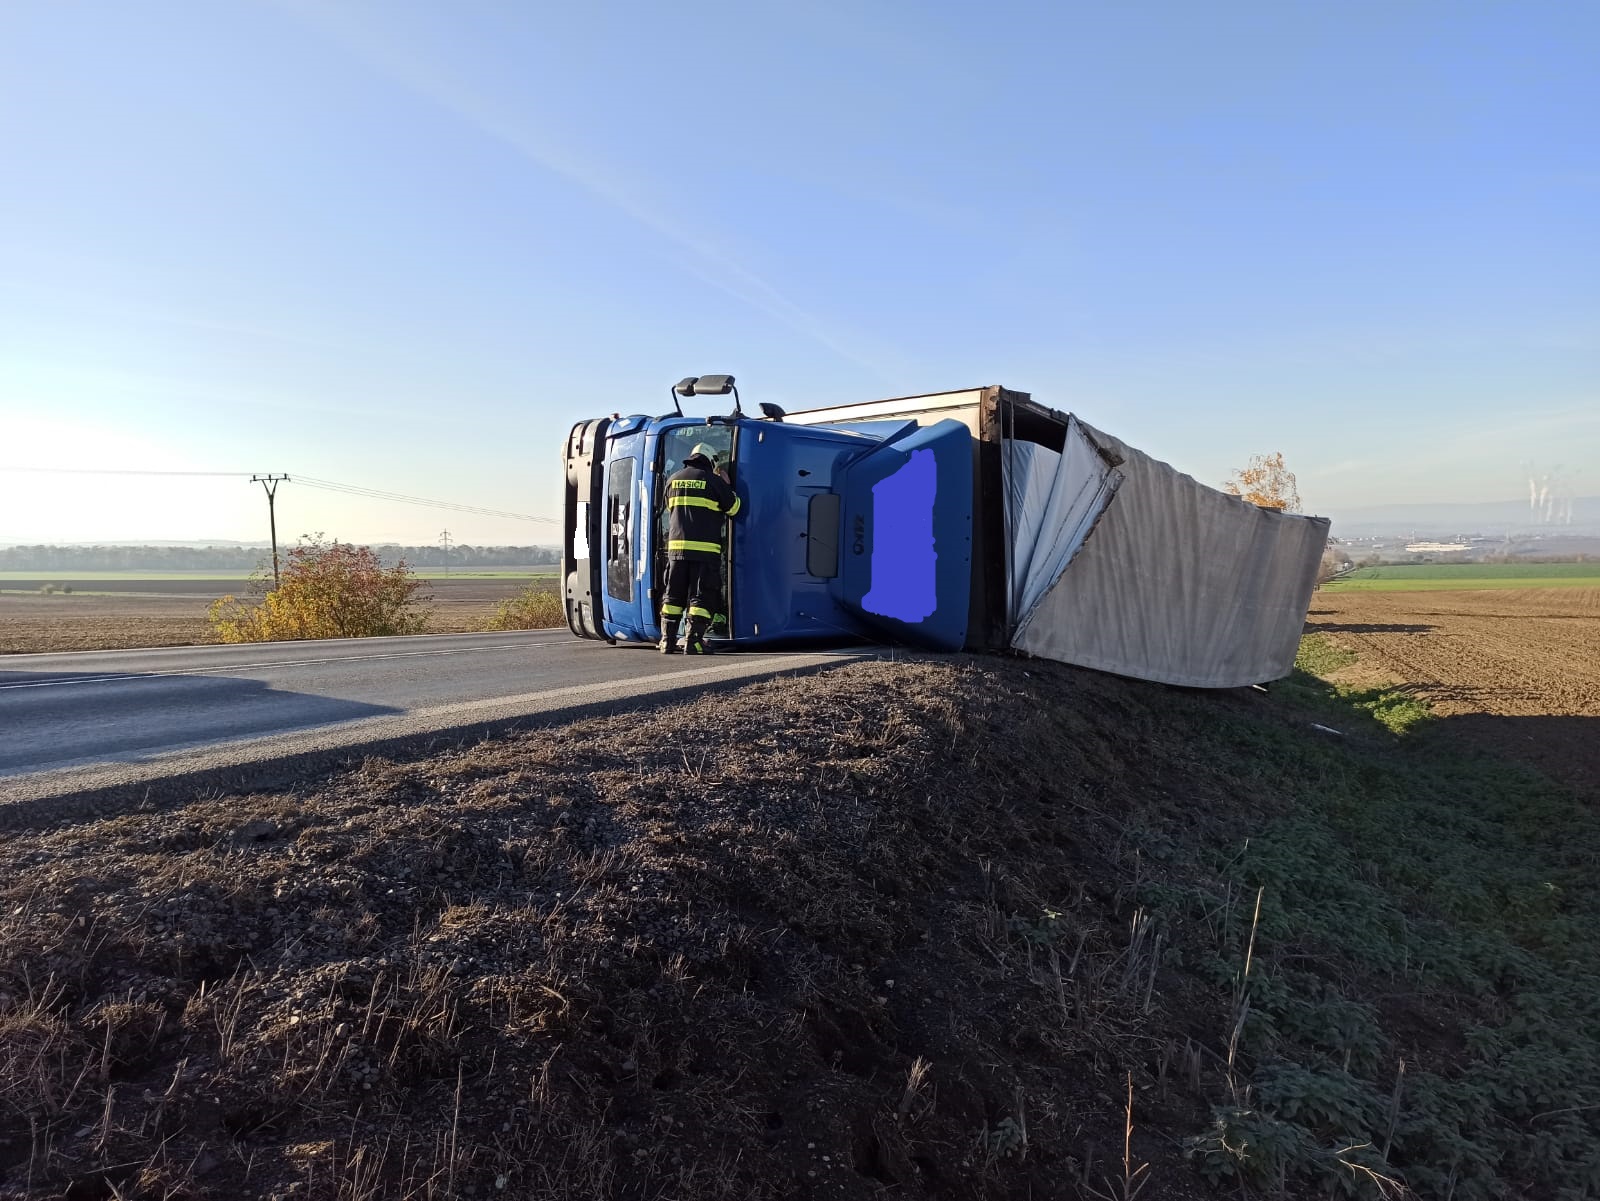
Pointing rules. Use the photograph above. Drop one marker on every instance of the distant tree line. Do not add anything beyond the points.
(467, 555)
(248, 558)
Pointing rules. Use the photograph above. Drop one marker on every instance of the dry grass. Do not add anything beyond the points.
(536, 607)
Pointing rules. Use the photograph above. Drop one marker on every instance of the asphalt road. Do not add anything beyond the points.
(102, 719)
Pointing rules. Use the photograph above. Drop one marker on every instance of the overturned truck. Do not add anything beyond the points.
(976, 519)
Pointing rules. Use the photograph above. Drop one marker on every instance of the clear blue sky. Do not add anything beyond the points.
(405, 246)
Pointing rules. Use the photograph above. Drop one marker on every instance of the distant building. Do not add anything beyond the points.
(1437, 548)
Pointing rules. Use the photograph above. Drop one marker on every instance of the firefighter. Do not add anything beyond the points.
(699, 498)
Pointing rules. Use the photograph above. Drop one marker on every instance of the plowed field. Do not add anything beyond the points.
(131, 612)
(1519, 670)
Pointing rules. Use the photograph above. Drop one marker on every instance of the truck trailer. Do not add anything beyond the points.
(976, 519)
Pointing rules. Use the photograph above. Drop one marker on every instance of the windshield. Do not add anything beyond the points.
(676, 445)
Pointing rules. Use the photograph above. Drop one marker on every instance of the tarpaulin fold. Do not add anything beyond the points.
(1178, 582)
(1052, 502)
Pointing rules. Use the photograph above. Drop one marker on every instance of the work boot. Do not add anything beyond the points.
(669, 639)
(695, 643)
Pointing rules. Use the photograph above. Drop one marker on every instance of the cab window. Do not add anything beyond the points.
(677, 443)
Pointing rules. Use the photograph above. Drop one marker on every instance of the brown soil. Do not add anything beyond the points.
(145, 613)
(759, 946)
(1516, 670)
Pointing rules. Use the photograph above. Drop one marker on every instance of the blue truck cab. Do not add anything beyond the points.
(850, 531)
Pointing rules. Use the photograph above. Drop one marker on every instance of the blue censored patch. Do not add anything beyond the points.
(904, 580)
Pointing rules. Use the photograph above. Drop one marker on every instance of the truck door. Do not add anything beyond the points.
(626, 521)
(675, 446)
(906, 536)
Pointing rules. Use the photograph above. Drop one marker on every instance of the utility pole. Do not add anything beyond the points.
(444, 541)
(270, 483)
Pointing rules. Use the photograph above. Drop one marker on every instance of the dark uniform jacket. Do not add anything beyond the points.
(698, 499)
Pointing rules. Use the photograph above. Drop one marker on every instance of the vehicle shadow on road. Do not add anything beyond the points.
(50, 719)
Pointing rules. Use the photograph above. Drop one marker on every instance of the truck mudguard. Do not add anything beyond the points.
(906, 536)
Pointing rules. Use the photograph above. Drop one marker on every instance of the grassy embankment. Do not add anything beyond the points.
(921, 925)
(1439, 907)
(1430, 577)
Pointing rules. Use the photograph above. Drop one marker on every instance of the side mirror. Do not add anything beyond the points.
(684, 387)
(705, 385)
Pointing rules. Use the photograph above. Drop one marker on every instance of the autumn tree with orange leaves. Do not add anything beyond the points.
(1266, 482)
(327, 590)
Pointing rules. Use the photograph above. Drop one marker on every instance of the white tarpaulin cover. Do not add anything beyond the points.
(1180, 583)
(1052, 502)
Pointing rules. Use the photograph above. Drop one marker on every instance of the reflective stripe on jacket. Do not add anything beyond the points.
(698, 500)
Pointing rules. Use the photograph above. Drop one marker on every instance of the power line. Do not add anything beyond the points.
(379, 494)
(308, 481)
(123, 471)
